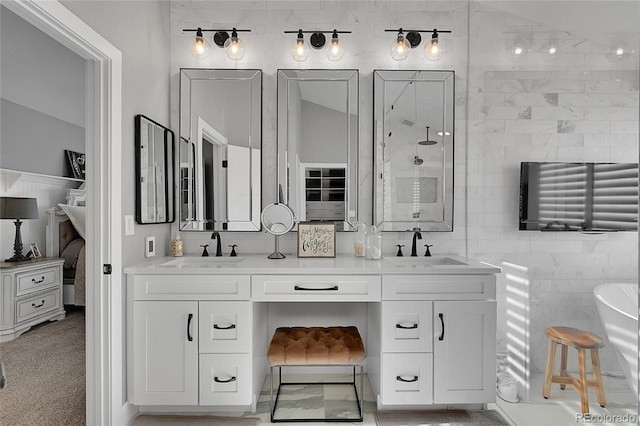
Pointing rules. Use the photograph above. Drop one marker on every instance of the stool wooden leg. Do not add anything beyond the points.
(584, 384)
(563, 364)
(595, 361)
(546, 390)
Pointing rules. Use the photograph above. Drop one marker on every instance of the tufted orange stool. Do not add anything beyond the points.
(582, 341)
(318, 346)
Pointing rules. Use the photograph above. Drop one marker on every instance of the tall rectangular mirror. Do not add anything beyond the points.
(155, 156)
(220, 149)
(318, 145)
(413, 149)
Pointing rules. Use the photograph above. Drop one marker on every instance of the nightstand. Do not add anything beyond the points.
(30, 293)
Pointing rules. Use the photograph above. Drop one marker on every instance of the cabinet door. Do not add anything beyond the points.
(165, 353)
(464, 351)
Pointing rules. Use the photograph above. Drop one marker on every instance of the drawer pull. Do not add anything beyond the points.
(189, 336)
(217, 380)
(41, 280)
(407, 327)
(38, 306)
(333, 288)
(217, 327)
(402, 379)
(441, 322)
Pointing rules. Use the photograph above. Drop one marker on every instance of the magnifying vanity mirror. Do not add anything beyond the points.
(220, 149)
(318, 145)
(155, 146)
(413, 149)
(277, 219)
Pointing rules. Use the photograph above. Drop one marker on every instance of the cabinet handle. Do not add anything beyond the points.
(189, 336)
(217, 380)
(407, 327)
(401, 379)
(41, 280)
(334, 288)
(217, 327)
(38, 306)
(441, 316)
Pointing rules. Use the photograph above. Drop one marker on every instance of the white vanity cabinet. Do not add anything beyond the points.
(190, 340)
(437, 340)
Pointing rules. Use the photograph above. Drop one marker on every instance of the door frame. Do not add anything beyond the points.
(103, 135)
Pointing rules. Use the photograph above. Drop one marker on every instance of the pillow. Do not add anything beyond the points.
(71, 253)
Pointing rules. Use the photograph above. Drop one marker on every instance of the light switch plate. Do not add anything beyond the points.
(128, 225)
(150, 246)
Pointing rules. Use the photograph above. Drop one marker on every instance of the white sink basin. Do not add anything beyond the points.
(203, 262)
(424, 261)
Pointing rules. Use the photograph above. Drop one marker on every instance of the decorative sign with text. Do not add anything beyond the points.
(316, 239)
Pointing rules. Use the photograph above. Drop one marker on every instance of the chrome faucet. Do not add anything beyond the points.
(216, 236)
(416, 236)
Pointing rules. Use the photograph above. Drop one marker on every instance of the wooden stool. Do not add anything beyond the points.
(318, 346)
(581, 340)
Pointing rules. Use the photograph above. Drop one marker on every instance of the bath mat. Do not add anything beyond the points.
(440, 417)
(173, 420)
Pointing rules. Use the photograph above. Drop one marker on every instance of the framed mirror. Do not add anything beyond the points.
(155, 158)
(220, 149)
(318, 145)
(413, 149)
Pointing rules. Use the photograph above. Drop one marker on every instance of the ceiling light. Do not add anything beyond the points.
(401, 45)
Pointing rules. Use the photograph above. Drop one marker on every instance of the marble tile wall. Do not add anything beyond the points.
(580, 106)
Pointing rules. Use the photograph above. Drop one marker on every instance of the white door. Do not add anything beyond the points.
(165, 353)
(464, 352)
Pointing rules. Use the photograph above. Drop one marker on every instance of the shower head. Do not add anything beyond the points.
(427, 141)
(417, 160)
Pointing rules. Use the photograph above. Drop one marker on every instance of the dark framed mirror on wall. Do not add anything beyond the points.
(155, 157)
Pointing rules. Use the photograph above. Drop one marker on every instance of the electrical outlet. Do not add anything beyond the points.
(150, 246)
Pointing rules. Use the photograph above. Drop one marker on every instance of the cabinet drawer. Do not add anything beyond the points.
(438, 287)
(225, 379)
(191, 287)
(407, 379)
(407, 326)
(29, 282)
(316, 288)
(225, 327)
(37, 304)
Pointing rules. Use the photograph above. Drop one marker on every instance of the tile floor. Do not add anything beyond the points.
(559, 410)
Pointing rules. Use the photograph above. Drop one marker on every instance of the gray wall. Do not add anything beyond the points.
(43, 99)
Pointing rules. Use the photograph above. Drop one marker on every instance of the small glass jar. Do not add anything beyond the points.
(359, 239)
(374, 243)
(177, 247)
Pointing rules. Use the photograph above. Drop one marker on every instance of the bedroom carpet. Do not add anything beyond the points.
(45, 369)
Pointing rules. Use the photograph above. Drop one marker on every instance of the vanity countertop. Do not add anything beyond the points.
(345, 264)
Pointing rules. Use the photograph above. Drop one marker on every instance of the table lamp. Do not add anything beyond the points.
(18, 208)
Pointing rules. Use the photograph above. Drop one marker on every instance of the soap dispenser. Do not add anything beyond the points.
(359, 233)
(177, 246)
(374, 243)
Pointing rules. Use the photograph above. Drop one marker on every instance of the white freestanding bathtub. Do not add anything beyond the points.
(617, 305)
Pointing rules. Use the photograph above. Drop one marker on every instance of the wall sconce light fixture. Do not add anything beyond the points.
(300, 48)
(233, 45)
(402, 44)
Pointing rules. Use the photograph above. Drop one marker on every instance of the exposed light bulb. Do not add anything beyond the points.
(300, 49)
(335, 50)
(400, 48)
(552, 50)
(432, 49)
(518, 51)
(619, 51)
(234, 46)
(200, 46)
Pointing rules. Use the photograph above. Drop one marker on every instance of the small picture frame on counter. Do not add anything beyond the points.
(35, 251)
(316, 239)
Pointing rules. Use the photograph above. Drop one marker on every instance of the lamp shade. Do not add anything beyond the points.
(18, 208)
